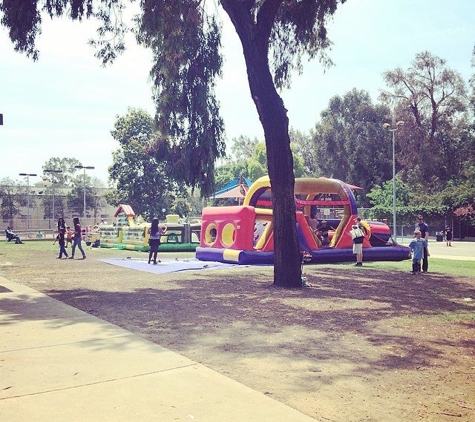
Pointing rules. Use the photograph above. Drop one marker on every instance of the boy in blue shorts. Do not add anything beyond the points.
(417, 247)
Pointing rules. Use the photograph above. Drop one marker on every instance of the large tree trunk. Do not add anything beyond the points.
(273, 116)
(272, 113)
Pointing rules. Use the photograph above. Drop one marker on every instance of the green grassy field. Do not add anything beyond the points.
(436, 265)
(46, 246)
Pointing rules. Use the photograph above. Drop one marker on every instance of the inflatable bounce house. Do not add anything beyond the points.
(245, 234)
(126, 232)
(181, 234)
(131, 232)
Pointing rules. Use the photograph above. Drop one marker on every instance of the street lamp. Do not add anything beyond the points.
(388, 127)
(52, 183)
(27, 175)
(84, 179)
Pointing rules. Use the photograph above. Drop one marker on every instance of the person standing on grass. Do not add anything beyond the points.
(69, 236)
(419, 248)
(424, 229)
(447, 233)
(61, 238)
(357, 235)
(155, 232)
(77, 238)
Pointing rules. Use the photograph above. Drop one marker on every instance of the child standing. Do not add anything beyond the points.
(61, 238)
(357, 235)
(69, 236)
(447, 232)
(417, 247)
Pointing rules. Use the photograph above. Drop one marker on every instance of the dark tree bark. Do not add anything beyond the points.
(273, 116)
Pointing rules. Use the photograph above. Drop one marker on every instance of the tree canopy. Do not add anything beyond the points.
(185, 41)
(431, 99)
(140, 180)
(14, 196)
(249, 159)
(349, 142)
(67, 168)
(184, 36)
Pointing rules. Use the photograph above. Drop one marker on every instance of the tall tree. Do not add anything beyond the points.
(306, 149)
(285, 30)
(242, 147)
(48, 197)
(472, 87)
(257, 162)
(459, 195)
(235, 164)
(252, 162)
(141, 180)
(185, 38)
(67, 167)
(381, 200)
(79, 186)
(13, 195)
(432, 101)
(350, 144)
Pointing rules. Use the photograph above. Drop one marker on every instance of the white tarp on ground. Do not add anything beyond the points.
(166, 266)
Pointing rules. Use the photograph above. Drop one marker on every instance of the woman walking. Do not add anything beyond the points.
(61, 238)
(155, 233)
(77, 239)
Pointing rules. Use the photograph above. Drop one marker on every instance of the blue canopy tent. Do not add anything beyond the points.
(237, 188)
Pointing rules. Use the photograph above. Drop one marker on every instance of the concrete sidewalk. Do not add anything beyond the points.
(61, 364)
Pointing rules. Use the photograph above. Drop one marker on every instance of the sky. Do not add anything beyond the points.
(65, 104)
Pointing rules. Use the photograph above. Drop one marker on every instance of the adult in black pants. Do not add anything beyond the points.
(61, 238)
(424, 228)
(155, 233)
(77, 239)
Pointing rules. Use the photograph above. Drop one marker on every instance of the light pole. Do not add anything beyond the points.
(27, 175)
(84, 179)
(388, 127)
(52, 183)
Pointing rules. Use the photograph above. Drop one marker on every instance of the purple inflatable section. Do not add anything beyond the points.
(320, 256)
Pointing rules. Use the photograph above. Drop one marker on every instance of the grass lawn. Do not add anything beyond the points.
(436, 265)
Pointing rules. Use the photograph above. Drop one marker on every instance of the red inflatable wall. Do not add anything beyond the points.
(234, 227)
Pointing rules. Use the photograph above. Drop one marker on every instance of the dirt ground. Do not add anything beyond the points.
(356, 344)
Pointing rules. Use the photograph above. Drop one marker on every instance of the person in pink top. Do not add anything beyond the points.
(155, 232)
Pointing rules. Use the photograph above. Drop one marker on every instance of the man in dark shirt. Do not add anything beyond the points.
(424, 228)
(12, 236)
(322, 231)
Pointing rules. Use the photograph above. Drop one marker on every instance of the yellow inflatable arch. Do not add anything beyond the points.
(305, 191)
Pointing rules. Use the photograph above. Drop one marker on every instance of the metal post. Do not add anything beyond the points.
(84, 193)
(394, 188)
(52, 183)
(84, 187)
(388, 127)
(27, 175)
